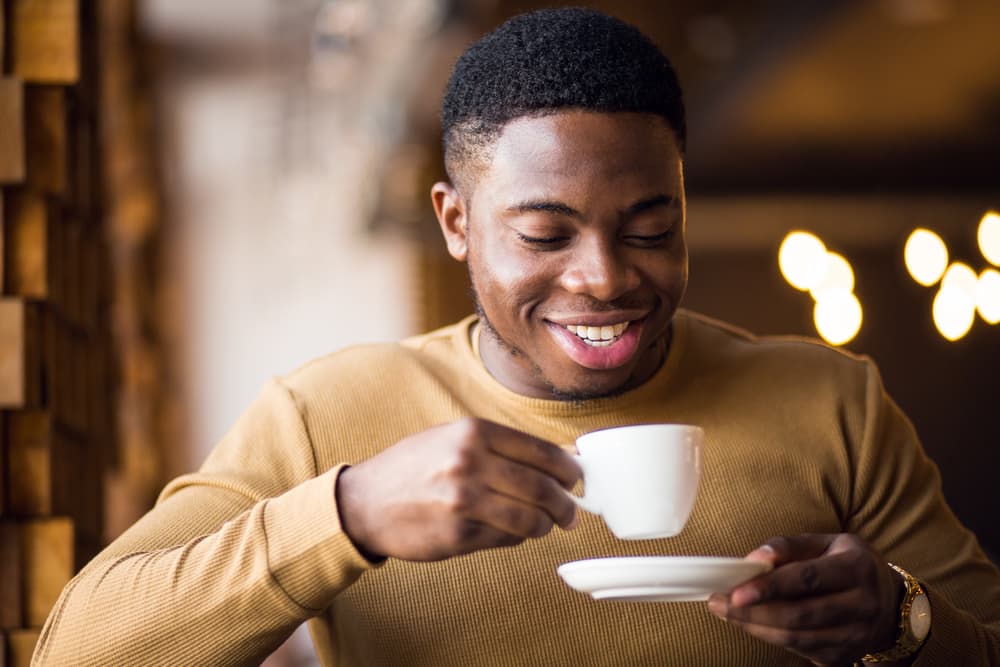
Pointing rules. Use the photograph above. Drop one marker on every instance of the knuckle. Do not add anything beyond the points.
(461, 499)
(780, 543)
(809, 576)
(462, 462)
(802, 618)
(540, 491)
(470, 429)
(514, 518)
(543, 524)
(467, 531)
(787, 638)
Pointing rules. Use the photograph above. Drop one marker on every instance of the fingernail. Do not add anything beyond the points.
(764, 553)
(717, 605)
(574, 522)
(744, 597)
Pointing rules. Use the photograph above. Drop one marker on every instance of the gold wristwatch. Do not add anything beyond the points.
(914, 621)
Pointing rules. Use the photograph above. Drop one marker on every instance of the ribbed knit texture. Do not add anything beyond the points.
(799, 438)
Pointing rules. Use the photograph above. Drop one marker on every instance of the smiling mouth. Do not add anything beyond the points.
(602, 336)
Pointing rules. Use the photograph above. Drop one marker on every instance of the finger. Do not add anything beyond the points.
(787, 549)
(535, 452)
(800, 579)
(469, 536)
(526, 484)
(511, 516)
(829, 632)
(827, 611)
(823, 646)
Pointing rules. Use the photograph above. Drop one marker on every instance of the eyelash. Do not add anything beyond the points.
(552, 240)
(547, 240)
(655, 239)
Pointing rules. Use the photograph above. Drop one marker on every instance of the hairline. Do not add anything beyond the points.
(491, 133)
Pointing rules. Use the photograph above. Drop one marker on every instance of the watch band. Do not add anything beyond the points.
(907, 643)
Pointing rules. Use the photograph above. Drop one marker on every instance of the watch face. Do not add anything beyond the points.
(920, 617)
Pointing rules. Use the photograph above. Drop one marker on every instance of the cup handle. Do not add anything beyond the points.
(586, 501)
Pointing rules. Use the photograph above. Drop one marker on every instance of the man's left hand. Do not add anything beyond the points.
(829, 598)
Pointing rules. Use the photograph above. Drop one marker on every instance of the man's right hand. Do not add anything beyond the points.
(454, 489)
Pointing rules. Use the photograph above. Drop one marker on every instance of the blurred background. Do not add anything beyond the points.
(197, 196)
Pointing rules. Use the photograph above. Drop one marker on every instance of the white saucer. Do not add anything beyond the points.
(658, 578)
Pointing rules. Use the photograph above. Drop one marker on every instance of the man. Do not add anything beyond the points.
(369, 491)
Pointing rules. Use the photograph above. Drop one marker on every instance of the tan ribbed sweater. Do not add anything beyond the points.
(799, 438)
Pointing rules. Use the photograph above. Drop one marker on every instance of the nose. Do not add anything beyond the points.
(598, 269)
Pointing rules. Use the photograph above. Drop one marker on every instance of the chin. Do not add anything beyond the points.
(588, 389)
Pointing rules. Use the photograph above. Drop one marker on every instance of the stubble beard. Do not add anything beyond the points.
(576, 396)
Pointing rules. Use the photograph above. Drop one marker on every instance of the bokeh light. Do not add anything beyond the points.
(926, 256)
(954, 311)
(961, 276)
(838, 275)
(837, 315)
(989, 237)
(802, 259)
(988, 295)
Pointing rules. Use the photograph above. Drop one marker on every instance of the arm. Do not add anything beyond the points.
(234, 558)
(225, 567)
(832, 598)
(899, 508)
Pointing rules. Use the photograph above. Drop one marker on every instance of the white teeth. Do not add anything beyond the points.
(598, 336)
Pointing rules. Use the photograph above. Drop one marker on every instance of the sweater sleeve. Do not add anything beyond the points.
(230, 561)
(898, 507)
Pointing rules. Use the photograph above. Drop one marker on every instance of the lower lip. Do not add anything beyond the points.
(599, 358)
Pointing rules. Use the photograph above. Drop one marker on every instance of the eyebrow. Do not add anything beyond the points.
(559, 208)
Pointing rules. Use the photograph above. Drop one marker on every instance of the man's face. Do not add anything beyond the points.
(574, 237)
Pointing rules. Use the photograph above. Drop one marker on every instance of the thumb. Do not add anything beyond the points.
(787, 549)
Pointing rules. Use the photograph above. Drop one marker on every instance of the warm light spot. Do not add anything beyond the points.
(989, 237)
(926, 256)
(838, 316)
(802, 258)
(954, 311)
(961, 276)
(988, 295)
(838, 274)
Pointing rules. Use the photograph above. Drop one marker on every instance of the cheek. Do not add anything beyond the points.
(514, 277)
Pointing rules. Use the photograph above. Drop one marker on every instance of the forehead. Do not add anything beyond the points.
(584, 150)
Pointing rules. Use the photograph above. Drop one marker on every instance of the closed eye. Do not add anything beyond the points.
(652, 240)
(541, 240)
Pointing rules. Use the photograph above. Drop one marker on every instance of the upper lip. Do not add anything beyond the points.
(596, 319)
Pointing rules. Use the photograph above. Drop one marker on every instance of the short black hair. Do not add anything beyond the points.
(550, 60)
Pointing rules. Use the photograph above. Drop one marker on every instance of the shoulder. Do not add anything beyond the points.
(717, 346)
(379, 366)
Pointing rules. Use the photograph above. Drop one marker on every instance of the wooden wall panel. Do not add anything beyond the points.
(26, 246)
(20, 646)
(47, 150)
(12, 168)
(45, 36)
(58, 433)
(11, 609)
(3, 43)
(20, 356)
(46, 565)
(31, 459)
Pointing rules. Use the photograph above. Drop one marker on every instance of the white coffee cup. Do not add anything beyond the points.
(642, 480)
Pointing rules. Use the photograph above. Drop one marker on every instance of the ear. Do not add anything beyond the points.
(452, 216)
